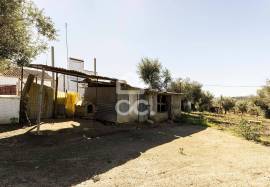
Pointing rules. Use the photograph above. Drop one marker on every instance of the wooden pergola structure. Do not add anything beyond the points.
(57, 70)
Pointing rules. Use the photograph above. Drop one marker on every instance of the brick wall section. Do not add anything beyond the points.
(8, 90)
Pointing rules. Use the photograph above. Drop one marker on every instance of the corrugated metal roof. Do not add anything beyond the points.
(68, 72)
(162, 92)
(16, 72)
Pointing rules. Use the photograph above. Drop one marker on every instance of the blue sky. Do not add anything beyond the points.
(215, 42)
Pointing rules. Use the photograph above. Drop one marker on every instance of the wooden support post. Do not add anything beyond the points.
(64, 83)
(96, 92)
(55, 96)
(95, 66)
(52, 59)
(40, 98)
(77, 84)
(138, 109)
(21, 79)
(23, 118)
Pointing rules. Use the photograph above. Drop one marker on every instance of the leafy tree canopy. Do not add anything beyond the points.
(24, 30)
(191, 89)
(242, 106)
(167, 78)
(227, 103)
(206, 101)
(263, 98)
(153, 74)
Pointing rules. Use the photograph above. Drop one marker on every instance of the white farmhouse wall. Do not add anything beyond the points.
(71, 81)
(8, 80)
(77, 65)
(16, 81)
(9, 108)
(46, 82)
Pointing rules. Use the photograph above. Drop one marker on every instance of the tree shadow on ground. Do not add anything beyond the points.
(71, 156)
(9, 127)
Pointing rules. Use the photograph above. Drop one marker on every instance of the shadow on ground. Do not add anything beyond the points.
(9, 127)
(70, 156)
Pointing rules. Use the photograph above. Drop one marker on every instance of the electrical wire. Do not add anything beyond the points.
(233, 86)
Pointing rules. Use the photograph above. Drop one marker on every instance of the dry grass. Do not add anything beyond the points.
(70, 153)
(233, 123)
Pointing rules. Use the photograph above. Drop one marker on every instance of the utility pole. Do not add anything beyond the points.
(64, 76)
(95, 66)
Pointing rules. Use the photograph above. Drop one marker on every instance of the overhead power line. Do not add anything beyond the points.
(233, 86)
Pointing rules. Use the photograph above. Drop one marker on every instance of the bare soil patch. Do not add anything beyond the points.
(71, 154)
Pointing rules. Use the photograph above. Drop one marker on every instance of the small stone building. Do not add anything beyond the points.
(119, 102)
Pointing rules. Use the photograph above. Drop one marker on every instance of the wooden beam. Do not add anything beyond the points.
(95, 66)
(21, 79)
(55, 96)
(40, 98)
(23, 118)
(97, 95)
(27, 86)
(52, 59)
(77, 84)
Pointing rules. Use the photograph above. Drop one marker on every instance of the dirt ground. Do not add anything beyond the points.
(78, 153)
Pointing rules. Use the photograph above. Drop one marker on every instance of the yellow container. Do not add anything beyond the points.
(71, 99)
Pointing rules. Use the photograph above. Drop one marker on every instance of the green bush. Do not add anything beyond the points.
(191, 119)
(13, 121)
(249, 131)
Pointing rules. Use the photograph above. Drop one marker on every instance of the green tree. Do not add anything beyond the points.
(227, 103)
(166, 78)
(263, 99)
(149, 71)
(254, 110)
(206, 101)
(242, 106)
(153, 74)
(176, 86)
(192, 91)
(24, 30)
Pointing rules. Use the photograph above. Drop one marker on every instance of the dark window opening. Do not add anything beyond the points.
(90, 109)
(162, 103)
(142, 107)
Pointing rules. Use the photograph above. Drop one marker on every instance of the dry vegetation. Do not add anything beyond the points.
(251, 127)
(90, 154)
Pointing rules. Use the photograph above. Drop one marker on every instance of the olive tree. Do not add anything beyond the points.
(227, 103)
(242, 106)
(24, 31)
(152, 73)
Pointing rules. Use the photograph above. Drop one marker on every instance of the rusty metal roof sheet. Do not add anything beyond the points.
(68, 72)
(162, 92)
(16, 72)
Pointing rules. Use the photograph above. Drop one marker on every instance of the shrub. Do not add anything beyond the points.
(190, 119)
(249, 131)
(227, 104)
(242, 106)
(13, 121)
(254, 110)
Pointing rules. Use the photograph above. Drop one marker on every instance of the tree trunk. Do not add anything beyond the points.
(23, 118)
